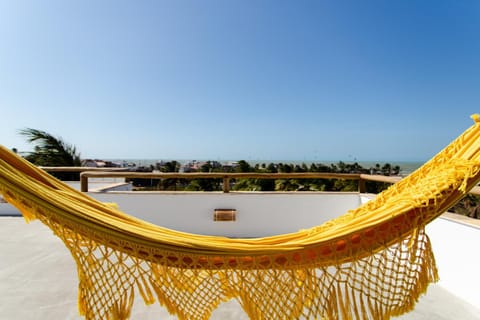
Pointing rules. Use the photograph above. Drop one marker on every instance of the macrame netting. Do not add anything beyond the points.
(371, 263)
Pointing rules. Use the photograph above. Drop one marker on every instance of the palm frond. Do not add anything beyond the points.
(50, 150)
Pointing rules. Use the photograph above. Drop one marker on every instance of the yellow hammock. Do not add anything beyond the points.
(373, 262)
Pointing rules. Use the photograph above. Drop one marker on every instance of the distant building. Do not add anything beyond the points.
(229, 166)
(191, 166)
(97, 163)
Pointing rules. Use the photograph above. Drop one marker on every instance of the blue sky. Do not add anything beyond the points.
(289, 80)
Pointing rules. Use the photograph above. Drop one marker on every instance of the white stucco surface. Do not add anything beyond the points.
(456, 248)
(259, 214)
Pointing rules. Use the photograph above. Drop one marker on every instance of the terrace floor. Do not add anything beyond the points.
(38, 281)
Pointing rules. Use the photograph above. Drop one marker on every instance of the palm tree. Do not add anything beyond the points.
(51, 151)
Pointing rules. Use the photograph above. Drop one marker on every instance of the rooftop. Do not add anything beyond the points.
(38, 278)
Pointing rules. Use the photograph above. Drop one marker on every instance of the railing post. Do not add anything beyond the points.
(83, 182)
(361, 185)
(226, 184)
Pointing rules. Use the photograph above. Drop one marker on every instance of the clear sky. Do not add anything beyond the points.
(291, 80)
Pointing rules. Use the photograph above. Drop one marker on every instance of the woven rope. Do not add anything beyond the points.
(372, 262)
